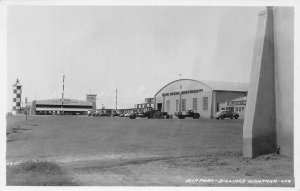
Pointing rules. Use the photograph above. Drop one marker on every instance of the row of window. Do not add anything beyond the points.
(183, 104)
(65, 106)
(239, 109)
(236, 109)
(144, 105)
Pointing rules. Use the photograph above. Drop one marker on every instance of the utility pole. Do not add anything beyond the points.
(180, 95)
(116, 100)
(62, 96)
(180, 99)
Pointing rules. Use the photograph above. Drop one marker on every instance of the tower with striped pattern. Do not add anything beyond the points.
(17, 92)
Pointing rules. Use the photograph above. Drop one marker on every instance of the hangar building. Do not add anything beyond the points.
(203, 97)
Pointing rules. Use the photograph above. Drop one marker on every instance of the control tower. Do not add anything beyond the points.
(92, 98)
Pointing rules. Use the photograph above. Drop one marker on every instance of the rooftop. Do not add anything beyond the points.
(226, 86)
(66, 102)
(216, 85)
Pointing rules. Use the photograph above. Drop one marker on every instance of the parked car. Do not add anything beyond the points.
(127, 115)
(140, 115)
(226, 114)
(104, 115)
(121, 115)
(189, 113)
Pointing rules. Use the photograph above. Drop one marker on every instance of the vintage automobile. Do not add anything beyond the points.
(226, 114)
(135, 115)
(152, 114)
(127, 115)
(189, 113)
(115, 114)
(104, 115)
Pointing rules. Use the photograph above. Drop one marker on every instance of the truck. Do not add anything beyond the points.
(189, 113)
(152, 114)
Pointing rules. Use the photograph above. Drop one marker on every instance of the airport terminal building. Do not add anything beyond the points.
(56, 107)
(203, 97)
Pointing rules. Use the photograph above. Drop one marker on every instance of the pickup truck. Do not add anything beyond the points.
(189, 113)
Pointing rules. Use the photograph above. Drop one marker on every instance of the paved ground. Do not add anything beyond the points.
(122, 151)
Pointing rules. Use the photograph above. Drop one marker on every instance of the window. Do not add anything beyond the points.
(237, 109)
(168, 106)
(205, 103)
(177, 105)
(195, 101)
(183, 104)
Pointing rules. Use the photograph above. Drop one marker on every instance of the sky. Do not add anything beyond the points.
(135, 49)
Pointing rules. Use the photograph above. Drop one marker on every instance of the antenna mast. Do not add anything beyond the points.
(116, 99)
(62, 96)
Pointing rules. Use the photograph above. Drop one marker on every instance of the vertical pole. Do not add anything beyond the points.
(163, 104)
(62, 96)
(180, 99)
(116, 100)
(21, 110)
(180, 95)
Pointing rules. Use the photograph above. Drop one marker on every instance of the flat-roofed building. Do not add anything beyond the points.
(57, 107)
(237, 105)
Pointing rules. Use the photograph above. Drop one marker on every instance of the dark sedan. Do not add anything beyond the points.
(226, 114)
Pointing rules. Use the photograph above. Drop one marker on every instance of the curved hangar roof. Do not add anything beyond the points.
(214, 85)
(66, 102)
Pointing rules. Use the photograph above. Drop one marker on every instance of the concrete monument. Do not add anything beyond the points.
(268, 124)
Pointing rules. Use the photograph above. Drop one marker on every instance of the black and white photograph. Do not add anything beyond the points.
(148, 95)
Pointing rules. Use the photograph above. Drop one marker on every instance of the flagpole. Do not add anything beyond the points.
(116, 100)
(180, 87)
(62, 96)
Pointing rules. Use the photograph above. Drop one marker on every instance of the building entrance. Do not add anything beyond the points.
(159, 106)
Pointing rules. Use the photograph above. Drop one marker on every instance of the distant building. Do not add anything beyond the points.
(92, 98)
(237, 105)
(127, 110)
(146, 106)
(57, 107)
(105, 111)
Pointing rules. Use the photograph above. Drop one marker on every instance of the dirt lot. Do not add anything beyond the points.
(121, 151)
